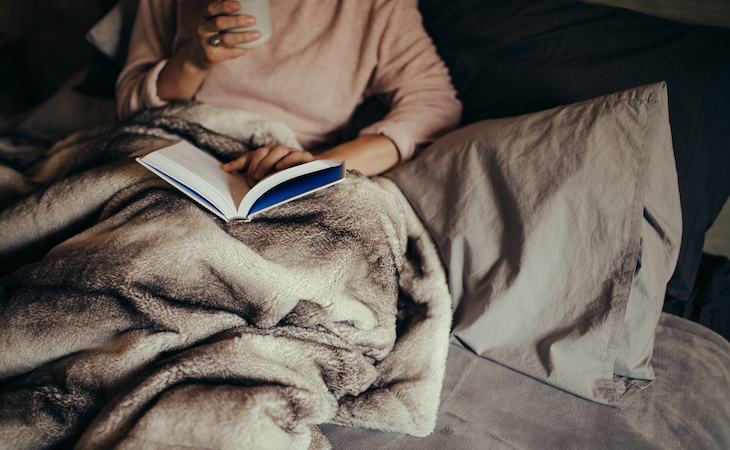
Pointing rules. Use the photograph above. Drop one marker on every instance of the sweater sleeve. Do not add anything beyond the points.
(414, 82)
(150, 46)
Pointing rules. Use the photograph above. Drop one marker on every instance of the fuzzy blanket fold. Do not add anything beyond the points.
(132, 318)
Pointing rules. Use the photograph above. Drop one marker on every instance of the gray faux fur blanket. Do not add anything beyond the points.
(132, 318)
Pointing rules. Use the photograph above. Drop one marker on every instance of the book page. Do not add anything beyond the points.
(201, 172)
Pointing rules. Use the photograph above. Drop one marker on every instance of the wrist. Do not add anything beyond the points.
(181, 77)
(194, 61)
(371, 154)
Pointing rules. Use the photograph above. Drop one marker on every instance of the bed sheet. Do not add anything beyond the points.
(488, 406)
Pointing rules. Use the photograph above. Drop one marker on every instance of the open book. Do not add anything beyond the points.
(199, 175)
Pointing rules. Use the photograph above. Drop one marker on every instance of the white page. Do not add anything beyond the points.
(201, 172)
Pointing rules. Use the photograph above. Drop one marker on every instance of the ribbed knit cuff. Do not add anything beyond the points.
(151, 99)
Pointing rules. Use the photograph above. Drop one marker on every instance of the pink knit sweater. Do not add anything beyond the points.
(323, 59)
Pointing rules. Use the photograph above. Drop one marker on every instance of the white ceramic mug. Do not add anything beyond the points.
(260, 10)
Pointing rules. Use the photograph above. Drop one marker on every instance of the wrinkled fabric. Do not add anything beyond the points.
(488, 406)
(137, 319)
(510, 57)
(559, 230)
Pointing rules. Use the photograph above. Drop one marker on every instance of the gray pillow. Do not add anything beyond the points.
(559, 231)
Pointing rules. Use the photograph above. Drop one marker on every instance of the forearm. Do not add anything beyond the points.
(181, 78)
(370, 154)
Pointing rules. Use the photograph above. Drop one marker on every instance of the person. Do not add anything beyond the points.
(323, 59)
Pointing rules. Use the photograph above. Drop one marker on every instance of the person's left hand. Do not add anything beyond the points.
(264, 160)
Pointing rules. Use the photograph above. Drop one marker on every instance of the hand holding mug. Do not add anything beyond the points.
(227, 31)
(221, 27)
(259, 9)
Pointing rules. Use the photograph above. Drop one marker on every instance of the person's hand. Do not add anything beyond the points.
(264, 160)
(185, 72)
(213, 44)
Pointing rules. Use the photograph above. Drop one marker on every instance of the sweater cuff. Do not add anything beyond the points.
(150, 98)
(403, 142)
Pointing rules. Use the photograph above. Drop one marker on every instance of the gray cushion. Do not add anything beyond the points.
(559, 230)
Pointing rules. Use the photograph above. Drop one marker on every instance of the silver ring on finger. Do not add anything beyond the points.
(215, 40)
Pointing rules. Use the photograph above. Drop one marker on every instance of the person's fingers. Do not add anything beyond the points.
(231, 39)
(217, 47)
(260, 162)
(216, 8)
(222, 23)
(268, 162)
(257, 155)
(293, 159)
(239, 163)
